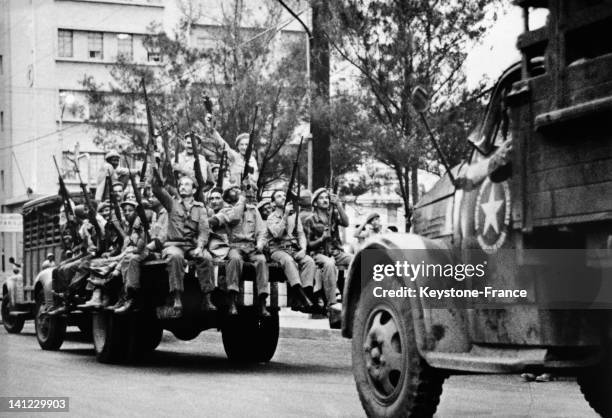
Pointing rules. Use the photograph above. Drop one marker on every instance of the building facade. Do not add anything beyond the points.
(47, 47)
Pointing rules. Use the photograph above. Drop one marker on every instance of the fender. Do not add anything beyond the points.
(13, 289)
(43, 282)
(435, 329)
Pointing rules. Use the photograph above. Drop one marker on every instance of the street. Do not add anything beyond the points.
(306, 378)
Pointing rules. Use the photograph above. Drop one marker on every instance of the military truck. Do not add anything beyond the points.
(26, 295)
(553, 196)
(247, 337)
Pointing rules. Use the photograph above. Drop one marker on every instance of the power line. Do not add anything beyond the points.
(40, 137)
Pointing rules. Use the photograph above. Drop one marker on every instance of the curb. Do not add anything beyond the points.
(311, 334)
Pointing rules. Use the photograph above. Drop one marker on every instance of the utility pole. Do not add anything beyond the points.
(319, 84)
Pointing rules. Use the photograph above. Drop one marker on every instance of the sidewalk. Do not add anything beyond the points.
(300, 325)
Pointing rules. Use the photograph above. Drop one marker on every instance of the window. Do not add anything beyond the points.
(1, 66)
(64, 43)
(153, 56)
(94, 45)
(125, 46)
(2, 178)
(1, 121)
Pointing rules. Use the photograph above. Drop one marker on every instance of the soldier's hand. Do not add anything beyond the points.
(334, 199)
(289, 209)
(300, 254)
(326, 234)
(259, 248)
(198, 252)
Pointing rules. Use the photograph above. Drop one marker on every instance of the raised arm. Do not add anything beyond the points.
(160, 193)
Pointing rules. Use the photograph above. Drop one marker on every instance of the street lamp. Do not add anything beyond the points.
(66, 99)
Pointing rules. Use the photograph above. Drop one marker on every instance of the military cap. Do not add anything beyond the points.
(129, 202)
(317, 193)
(265, 201)
(103, 205)
(372, 216)
(112, 154)
(118, 183)
(79, 211)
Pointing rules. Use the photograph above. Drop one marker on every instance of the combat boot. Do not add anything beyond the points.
(129, 305)
(207, 304)
(263, 309)
(95, 302)
(300, 301)
(232, 310)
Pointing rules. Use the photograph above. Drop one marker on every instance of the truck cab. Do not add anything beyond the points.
(533, 203)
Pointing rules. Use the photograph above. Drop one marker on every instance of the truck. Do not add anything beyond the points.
(246, 337)
(26, 294)
(540, 222)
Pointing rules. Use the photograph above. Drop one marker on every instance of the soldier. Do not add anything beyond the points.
(265, 208)
(49, 261)
(324, 243)
(186, 238)
(247, 239)
(68, 279)
(235, 158)
(186, 162)
(118, 191)
(218, 243)
(110, 167)
(287, 244)
(371, 226)
(135, 252)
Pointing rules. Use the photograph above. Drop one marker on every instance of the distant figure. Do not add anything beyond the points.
(49, 261)
(371, 226)
(111, 167)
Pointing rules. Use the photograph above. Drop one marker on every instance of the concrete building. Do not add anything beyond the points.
(46, 49)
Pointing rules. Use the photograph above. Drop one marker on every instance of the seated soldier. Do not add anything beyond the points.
(218, 243)
(186, 238)
(247, 239)
(69, 278)
(287, 243)
(135, 252)
(324, 244)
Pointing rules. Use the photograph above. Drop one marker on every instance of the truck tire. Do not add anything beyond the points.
(248, 338)
(50, 330)
(110, 337)
(392, 379)
(148, 332)
(596, 386)
(12, 325)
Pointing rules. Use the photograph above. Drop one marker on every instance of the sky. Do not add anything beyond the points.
(497, 50)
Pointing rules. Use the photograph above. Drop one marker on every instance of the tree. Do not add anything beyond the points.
(397, 45)
(242, 68)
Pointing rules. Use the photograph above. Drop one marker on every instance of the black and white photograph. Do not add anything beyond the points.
(306, 208)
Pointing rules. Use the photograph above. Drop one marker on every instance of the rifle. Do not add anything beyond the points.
(221, 175)
(167, 169)
(114, 206)
(247, 155)
(91, 213)
(197, 168)
(140, 209)
(333, 188)
(294, 174)
(151, 129)
(68, 210)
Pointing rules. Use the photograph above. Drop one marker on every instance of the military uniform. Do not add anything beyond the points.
(187, 229)
(284, 247)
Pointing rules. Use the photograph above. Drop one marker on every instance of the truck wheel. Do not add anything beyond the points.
(596, 386)
(110, 337)
(50, 330)
(85, 328)
(147, 331)
(391, 377)
(12, 324)
(247, 338)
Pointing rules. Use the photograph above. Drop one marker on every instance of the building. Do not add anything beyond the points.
(46, 49)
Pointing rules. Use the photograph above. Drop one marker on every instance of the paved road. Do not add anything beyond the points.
(306, 378)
